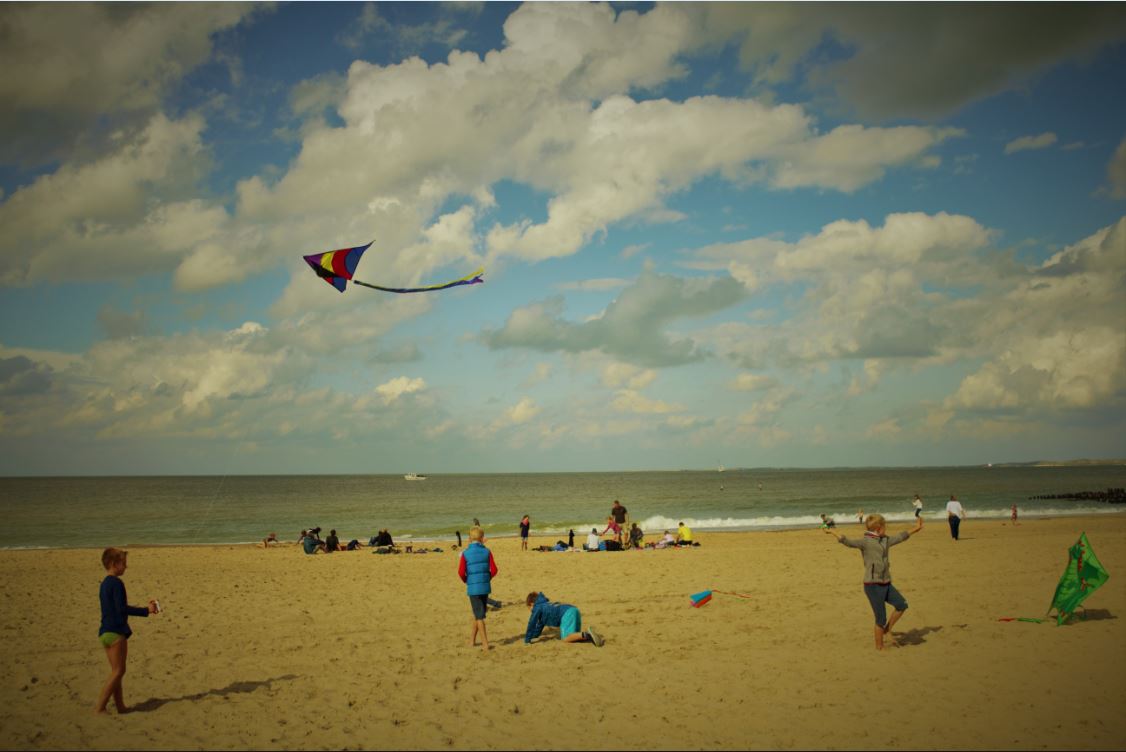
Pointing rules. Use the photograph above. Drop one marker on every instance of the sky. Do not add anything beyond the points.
(739, 235)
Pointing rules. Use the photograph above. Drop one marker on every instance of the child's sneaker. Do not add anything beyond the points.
(595, 637)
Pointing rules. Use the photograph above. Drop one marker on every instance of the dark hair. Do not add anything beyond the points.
(112, 556)
(531, 597)
(332, 532)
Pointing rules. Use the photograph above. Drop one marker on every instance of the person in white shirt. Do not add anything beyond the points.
(918, 504)
(954, 515)
(592, 540)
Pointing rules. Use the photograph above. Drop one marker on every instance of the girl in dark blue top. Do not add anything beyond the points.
(114, 631)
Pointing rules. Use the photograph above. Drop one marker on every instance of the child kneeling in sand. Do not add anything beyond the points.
(114, 632)
(877, 570)
(562, 615)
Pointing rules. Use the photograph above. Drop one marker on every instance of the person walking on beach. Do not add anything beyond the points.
(877, 570)
(621, 516)
(954, 515)
(1014, 515)
(476, 568)
(562, 615)
(525, 526)
(114, 631)
(918, 504)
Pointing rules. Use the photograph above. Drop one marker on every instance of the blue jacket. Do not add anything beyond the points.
(476, 569)
(115, 609)
(544, 614)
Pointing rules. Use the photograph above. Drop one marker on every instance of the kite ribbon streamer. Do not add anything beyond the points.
(469, 279)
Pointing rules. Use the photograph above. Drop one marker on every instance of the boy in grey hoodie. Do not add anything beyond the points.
(877, 571)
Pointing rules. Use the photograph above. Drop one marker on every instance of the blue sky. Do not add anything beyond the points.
(752, 235)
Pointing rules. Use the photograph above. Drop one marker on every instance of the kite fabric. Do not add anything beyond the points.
(1083, 576)
(337, 267)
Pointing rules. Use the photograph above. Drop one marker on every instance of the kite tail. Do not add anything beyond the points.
(469, 279)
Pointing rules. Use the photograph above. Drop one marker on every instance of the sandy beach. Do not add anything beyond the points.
(272, 649)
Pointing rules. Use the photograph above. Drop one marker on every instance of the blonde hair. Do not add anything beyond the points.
(874, 522)
(476, 533)
(112, 556)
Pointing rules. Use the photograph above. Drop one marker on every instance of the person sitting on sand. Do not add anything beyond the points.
(332, 543)
(382, 538)
(271, 538)
(592, 540)
(635, 535)
(683, 535)
(827, 522)
(310, 544)
(562, 615)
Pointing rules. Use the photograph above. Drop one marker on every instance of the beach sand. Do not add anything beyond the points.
(271, 649)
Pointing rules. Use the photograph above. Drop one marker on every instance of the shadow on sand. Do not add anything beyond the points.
(236, 688)
(915, 636)
(1093, 614)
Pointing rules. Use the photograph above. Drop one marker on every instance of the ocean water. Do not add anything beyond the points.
(119, 511)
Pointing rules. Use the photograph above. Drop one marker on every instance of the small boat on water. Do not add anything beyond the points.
(414, 476)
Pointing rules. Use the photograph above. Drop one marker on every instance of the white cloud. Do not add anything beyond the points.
(1057, 335)
(595, 285)
(616, 375)
(392, 390)
(1031, 143)
(552, 109)
(865, 296)
(522, 412)
(631, 329)
(127, 213)
(906, 61)
(64, 71)
(752, 382)
(1116, 171)
(632, 401)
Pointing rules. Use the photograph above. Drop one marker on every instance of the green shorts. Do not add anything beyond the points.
(109, 638)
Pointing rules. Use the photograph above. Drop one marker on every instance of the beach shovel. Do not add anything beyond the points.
(699, 599)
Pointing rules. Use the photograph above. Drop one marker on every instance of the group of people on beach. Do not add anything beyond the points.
(311, 542)
(955, 513)
(614, 537)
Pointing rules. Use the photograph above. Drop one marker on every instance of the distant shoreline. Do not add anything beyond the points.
(728, 470)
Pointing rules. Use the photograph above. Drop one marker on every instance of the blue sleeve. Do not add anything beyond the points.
(535, 624)
(122, 606)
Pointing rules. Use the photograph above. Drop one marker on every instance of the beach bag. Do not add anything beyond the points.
(613, 546)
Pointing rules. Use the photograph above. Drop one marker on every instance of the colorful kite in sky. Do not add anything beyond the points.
(1083, 576)
(337, 267)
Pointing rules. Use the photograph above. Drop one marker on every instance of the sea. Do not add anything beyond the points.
(95, 512)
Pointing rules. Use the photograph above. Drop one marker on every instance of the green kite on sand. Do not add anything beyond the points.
(1083, 576)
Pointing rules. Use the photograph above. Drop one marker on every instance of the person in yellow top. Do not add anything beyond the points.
(683, 535)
